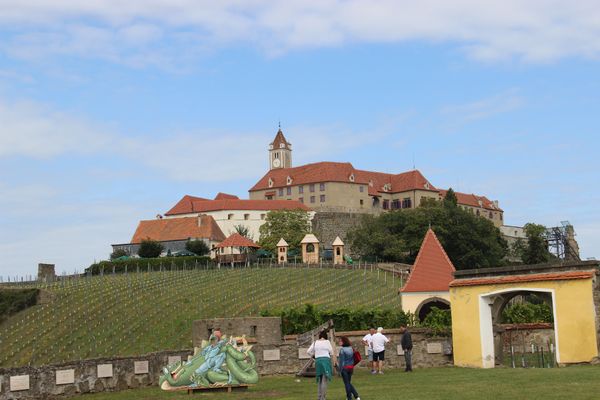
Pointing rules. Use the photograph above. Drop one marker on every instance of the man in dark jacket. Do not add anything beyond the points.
(407, 345)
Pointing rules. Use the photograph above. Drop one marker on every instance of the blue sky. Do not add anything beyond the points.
(109, 113)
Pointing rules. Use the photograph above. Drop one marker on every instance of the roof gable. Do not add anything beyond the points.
(200, 205)
(168, 229)
(237, 240)
(433, 270)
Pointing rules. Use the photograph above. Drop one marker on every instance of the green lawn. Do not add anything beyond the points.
(573, 383)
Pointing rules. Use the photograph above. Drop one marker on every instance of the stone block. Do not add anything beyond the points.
(140, 367)
(271, 355)
(399, 350)
(303, 353)
(173, 359)
(105, 370)
(19, 382)
(434, 348)
(65, 377)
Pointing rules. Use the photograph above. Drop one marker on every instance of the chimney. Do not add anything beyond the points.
(496, 203)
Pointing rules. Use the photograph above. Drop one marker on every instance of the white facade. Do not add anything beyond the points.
(229, 219)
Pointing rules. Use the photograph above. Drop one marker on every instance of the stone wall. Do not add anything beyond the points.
(84, 379)
(265, 330)
(327, 225)
(46, 272)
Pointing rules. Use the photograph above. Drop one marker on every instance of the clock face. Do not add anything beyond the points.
(276, 162)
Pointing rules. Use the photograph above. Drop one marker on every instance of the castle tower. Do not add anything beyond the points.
(280, 152)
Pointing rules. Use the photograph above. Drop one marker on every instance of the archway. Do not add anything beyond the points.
(425, 307)
(491, 306)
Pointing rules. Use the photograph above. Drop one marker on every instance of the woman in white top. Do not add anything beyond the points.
(322, 351)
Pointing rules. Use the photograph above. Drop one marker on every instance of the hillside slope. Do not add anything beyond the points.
(131, 314)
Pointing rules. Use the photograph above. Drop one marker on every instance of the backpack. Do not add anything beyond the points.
(357, 357)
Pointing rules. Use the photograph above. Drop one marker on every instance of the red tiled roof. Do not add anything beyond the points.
(225, 196)
(550, 276)
(178, 229)
(279, 139)
(433, 269)
(237, 240)
(472, 200)
(344, 172)
(203, 205)
(184, 204)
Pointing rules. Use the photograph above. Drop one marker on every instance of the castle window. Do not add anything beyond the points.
(262, 216)
(311, 187)
(312, 199)
(361, 202)
(491, 215)
(289, 180)
(276, 155)
(289, 191)
(270, 182)
(281, 145)
(322, 187)
(351, 178)
(361, 188)
(322, 199)
(281, 191)
(301, 189)
(301, 200)
(395, 204)
(246, 216)
(406, 203)
(229, 216)
(386, 204)
(478, 213)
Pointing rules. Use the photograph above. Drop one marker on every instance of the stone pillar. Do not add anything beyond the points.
(338, 251)
(46, 272)
(310, 249)
(282, 249)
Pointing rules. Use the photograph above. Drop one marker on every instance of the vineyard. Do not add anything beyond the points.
(138, 313)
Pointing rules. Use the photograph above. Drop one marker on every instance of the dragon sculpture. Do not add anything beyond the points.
(216, 363)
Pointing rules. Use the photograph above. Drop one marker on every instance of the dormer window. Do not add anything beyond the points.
(387, 187)
(371, 183)
(270, 182)
(289, 180)
(427, 185)
(351, 178)
(270, 147)
(282, 145)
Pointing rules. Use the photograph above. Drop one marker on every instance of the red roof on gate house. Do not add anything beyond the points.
(472, 200)
(167, 229)
(432, 271)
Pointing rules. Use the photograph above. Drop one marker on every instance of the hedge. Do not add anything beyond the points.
(299, 320)
(149, 264)
(14, 300)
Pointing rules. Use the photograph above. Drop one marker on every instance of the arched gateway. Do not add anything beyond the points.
(479, 296)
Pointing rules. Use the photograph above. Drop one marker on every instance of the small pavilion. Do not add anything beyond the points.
(338, 251)
(234, 249)
(282, 249)
(310, 249)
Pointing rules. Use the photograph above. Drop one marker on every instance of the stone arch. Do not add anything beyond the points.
(425, 307)
(491, 306)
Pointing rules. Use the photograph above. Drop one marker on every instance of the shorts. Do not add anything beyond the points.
(370, 355)
(380, 356)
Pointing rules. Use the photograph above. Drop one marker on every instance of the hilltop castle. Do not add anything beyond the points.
(339, 187)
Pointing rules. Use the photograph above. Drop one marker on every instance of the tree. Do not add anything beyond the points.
(291, 225)
(469, 241)
(536, 250)
(450, 199)
(150, 248)
(198, 247)
(118, 253)
(244, 231)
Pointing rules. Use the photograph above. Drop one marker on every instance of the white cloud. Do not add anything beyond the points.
(137, 31)
(484, 108)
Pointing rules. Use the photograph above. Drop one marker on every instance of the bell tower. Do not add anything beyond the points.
(280, 152)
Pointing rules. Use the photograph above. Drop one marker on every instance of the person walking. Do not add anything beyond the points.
(346, 367)
(378, 341)
(322, 351)
(368, 341)
(407, 346)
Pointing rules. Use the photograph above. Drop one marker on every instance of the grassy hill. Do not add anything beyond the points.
(119, 315)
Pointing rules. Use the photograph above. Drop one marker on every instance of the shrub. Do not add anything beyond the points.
(438, 321)
(299, 320)
(197, 247)
(149, 264)
(150, 248)
(522, 313)
(14, 300)
(118, 253)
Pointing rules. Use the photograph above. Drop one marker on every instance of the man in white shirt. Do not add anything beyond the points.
(378, 342)
(367, 339)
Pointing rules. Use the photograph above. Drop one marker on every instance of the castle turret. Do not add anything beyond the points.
(280, 152)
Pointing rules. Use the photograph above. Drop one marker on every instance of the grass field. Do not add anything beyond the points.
(573, 383)
(138, 313)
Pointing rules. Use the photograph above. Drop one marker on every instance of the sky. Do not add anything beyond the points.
(111, 111)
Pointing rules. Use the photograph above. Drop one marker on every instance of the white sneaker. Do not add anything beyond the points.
(358, 398)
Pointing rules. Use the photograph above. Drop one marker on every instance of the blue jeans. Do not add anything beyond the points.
(347, 378)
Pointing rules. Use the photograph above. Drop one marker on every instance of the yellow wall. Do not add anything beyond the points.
(574, 320)
(411, 301)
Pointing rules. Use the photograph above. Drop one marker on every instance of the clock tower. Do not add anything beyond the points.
(280, 152)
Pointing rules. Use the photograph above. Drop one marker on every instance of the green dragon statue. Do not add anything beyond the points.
(215, 364)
